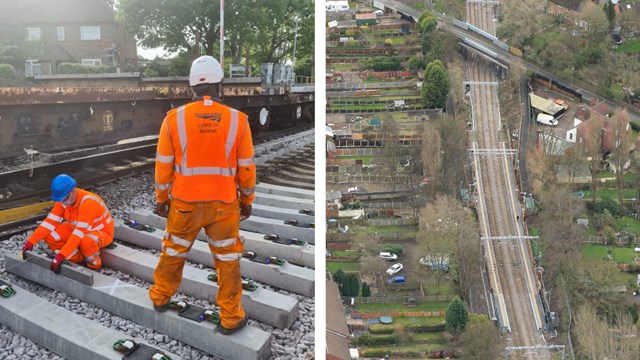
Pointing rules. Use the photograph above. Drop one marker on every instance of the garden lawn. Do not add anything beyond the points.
(347, 266)
(628, 224)
(620, 255)
(427, 306)
(349, 254)
(629, 46)
(365, 159)
(358, 107)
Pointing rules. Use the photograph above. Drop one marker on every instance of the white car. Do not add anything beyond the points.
(388, 256)
(394, 269)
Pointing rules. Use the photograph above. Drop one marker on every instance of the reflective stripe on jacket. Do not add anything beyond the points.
(205, 153)
(88, 213)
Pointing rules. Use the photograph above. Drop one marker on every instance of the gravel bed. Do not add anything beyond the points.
(122, 197)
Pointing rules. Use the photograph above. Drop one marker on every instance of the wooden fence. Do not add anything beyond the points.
(370, 315)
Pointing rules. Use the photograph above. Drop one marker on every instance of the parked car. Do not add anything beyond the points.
(396, 279)
(394, 269)
(378, 12)
(388, 256)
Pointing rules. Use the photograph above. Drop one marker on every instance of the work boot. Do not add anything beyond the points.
(223, 330)
(161, 308)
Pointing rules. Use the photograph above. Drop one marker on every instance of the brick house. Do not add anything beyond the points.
(49, 33)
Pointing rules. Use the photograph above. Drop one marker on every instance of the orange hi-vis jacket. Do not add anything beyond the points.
(89, 213)
(205, 153)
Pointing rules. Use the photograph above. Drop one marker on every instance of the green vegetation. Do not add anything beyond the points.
(365, 159)
(435, 87)
(7, 71)
(348, 254)
(457, 316)
(629, 47)
(427, 306)
(348, 266)
(357, 107)
(620, 255)
(351, 285)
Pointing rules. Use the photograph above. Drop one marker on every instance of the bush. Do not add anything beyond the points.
(351, 285)
(388, 42)
(366, 290)
(392, 248)
(395, 353)
(424, 328)
(74, 68)
(7, 71)
(415, 63)
(369, 340)
(608, 203)
(339, 276)
(381, 329)
(383, 64)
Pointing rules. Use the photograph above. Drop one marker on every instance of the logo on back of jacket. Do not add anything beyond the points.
(210, 126)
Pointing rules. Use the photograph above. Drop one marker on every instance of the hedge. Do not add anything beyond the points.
(396, 353)
(381, 329)
(422, 328)
(74, 68)
(369, 340)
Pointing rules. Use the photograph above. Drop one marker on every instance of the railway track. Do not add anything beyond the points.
(281, 310)
(507, 253)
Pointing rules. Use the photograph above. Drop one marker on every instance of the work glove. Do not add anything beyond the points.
(163, 208)
(27, 247)
(245, 211)
(56, 263)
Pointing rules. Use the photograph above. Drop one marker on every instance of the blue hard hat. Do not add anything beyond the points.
(61, 186)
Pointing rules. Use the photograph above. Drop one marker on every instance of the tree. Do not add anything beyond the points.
(435, 87)
(266, 27)
(601, 337)
(427, 22)
(481, 341)
(456, 317)
(7, 71)
(366, 291)
(622, 142)
(610, 12)
(560, 236)
(339, 276)
(592, 141)
(521, 20)
(351, 286)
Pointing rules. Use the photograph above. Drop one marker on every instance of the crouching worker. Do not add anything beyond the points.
(77, 227)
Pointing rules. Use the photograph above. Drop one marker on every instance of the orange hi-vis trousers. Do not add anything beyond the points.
(221, 222)
(90, 245)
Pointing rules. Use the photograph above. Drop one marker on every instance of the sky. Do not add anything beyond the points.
(151, 54)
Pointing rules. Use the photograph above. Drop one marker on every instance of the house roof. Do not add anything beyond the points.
(601, 108)
(583, 114)
(55, 11)
(365, 16)
(337, 330)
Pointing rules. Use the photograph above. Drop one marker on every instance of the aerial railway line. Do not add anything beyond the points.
(506, 252)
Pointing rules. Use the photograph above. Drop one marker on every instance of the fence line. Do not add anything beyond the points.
(378, 85)
(398, 300)
(382, 179)
(368, 93)
(391, 221)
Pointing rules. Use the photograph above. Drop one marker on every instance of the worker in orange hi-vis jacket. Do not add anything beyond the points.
(77, 227)
(205, 178)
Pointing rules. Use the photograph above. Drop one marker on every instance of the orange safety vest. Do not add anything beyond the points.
(88, 214)
(205, 153)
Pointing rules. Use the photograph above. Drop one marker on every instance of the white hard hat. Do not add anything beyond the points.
(205, 70)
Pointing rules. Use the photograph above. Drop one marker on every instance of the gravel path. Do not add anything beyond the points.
(136, 192)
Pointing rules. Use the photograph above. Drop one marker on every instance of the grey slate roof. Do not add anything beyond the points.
(55, 11)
